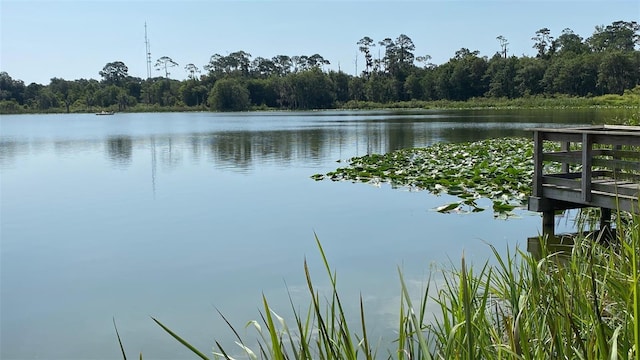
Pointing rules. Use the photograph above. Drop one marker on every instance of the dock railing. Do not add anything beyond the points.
(593, 166)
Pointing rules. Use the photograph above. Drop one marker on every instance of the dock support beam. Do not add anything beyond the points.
(605, 218)
(605, 225)
(548, 224)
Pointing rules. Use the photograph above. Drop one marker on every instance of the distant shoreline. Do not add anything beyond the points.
(630, 100)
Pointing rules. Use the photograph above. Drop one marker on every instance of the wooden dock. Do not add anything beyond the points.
(593, 166)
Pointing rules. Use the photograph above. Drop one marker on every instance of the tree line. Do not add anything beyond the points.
(607, 62)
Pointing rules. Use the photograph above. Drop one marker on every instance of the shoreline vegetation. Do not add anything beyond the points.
(629, 100)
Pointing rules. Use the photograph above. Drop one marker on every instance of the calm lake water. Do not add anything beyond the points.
(177, 215)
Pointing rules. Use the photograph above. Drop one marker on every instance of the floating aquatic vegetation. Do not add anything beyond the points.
(498, 169)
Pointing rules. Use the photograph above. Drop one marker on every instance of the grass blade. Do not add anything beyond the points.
(181, 340)
(124, 355)
(422, 342)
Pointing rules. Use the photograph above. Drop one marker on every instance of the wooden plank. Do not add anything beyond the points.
(570, 157)
(565, 146)
(618, 153)
(612, 130)
(622, 127)
(616, 139)
(621, 175)
(616, 189)
(624, 203)
(605, 185)
(572, 175)
(550, 136)
(612, 157)
(538, 204)
(616, 164)
(586, 167)
(537, 163)
(576, 158)
(563, 194)
(559, 181)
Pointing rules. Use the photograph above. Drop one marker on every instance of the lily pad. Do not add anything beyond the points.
(497, 169)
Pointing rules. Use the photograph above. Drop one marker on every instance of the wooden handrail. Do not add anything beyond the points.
(608, 159)
(587, 147)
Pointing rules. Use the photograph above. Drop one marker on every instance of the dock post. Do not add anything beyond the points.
(605, 218)
(605, 225)
(548, 224)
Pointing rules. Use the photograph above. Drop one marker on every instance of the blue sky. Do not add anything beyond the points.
(75, 39)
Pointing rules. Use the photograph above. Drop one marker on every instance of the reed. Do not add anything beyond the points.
(582, 303)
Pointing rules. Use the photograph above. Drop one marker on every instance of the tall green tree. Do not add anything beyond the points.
(467, 79)
(262, 92)
(356, 89)
(404, 56)
(240, 62)
(503, 45)
(501, 75)
(620, 36)
(11, 89)
(382, 89)
(193, 93)
(570, 75)
(263, 68)
(31, 93)
(413, 87)
(163, 92)
(543, 42)
(191, 70)
(618, 71)
(311, 89)
(282, 64)
(340, 82)
(88, 89)
(46, 100)
(229, 95)
(366, 43)
(570, 43)
(529, 74)
(164, 63)
(67, 91)
(237, 63)
(114, 73)
(316, 61)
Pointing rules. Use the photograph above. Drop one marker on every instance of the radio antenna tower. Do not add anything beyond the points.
(148, 48)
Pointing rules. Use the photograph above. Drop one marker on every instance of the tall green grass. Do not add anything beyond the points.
(583, 303)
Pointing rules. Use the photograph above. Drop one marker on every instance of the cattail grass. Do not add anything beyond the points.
(578, 303)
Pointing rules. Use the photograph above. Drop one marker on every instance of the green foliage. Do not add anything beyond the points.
(310, 89)
(10, 89)
(262, 92)
(193, 93)
(498, 169)
(9, 107)
(229, 95)
(619, 36)
(582, 303)
(502, 75)
(619, 71)
(114, 73)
